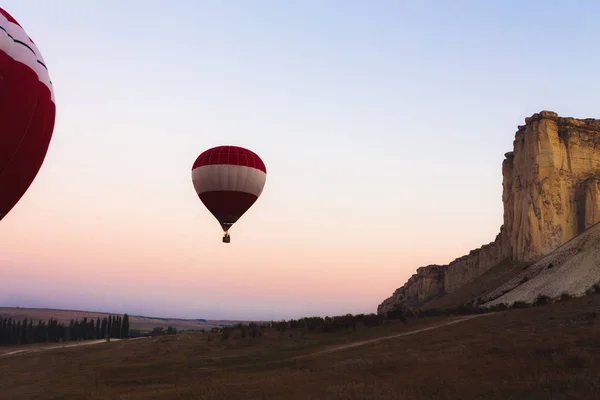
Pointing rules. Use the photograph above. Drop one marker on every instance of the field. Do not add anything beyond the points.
(142, 323)
(544, 352)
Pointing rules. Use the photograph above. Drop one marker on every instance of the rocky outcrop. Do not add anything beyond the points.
(551, 193)
(550, 183)
(474, 264)
(425, 285)
(433, 281)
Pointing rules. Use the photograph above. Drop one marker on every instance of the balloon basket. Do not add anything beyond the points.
(226, 239)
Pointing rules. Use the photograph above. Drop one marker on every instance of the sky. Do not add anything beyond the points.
(383, 126)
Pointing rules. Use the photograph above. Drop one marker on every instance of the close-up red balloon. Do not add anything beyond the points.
(27, 112)
(228, 181)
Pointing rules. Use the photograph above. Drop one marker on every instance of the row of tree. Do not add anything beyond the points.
(14, 331)
(404, 314)
(329, 324)
(349, 322)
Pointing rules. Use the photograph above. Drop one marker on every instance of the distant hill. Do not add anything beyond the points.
(143, 323)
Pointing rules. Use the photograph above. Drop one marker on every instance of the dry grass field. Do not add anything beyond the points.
(545, 352)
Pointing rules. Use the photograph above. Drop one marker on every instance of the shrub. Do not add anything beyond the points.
(541, 300)
(372, 320)
(398, 312)
(565, 296)
(499, 307)
(519, 304)
(225, 333)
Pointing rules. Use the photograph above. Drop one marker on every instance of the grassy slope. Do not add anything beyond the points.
(537, 353)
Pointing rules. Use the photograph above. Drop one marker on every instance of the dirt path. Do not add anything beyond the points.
(346, 346)
(317, 353)
(62, 346)
(363, 342)
(56, 346)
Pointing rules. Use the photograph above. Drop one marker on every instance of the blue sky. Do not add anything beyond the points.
(383, 126)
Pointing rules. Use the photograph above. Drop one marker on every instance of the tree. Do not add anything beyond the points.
(125, 327)
(98, 328)
(13, 331)
(24, 331)
(30, 332)
(109, 327)
(2, 335)
(11, 338)
(159, 330)
(84, 329)
(18, 332)
(104, 328)
(91, 329)
(117, 327)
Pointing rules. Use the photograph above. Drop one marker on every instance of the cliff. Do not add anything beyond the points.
(551, 193)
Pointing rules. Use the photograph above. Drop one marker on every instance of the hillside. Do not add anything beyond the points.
(573, 268)
(136, 321)
(536, 353)
(480, 286)
(551, 194)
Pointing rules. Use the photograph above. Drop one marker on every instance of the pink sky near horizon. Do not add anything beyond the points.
(68, 240)
(383, 128)
(83, 249)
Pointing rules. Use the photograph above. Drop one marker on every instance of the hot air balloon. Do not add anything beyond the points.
(228, 180)
(27, 112)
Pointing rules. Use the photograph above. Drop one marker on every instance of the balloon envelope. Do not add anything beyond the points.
(27, 111)
(228, 180)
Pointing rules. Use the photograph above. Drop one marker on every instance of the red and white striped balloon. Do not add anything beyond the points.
(228, 180)
(27, 112)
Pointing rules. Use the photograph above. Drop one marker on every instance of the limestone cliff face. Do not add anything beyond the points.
(550, 183)
(551, 193)
(591, 190)
(469, 267)
(426, 284)
(434, 281)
